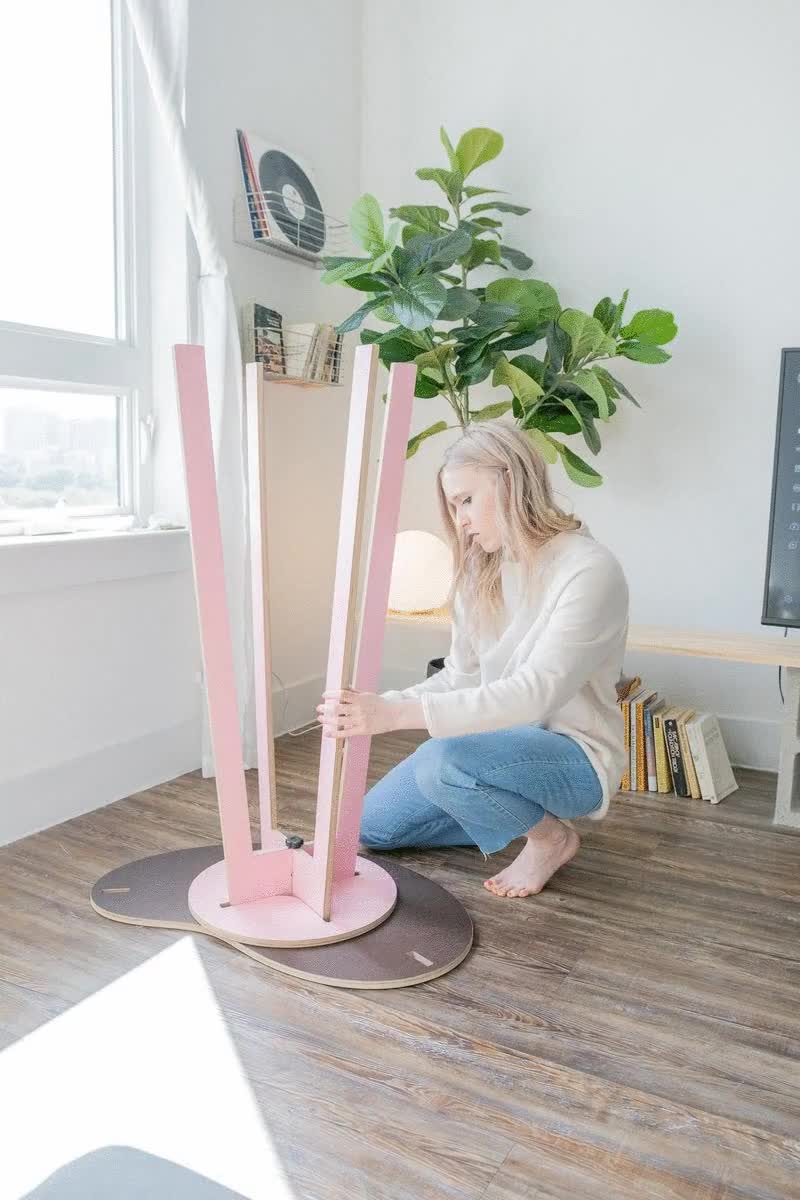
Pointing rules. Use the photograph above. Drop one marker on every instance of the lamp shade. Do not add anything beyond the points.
(421, 572)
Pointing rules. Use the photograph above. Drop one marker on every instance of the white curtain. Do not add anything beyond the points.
(161, 32)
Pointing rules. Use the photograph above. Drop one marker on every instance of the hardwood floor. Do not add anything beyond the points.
(633, 1032)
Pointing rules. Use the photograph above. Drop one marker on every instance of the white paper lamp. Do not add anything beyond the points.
(421, 572)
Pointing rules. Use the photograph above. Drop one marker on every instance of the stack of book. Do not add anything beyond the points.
(306, 350)
(672, 748)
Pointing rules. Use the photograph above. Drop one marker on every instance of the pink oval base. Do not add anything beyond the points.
(358, 904)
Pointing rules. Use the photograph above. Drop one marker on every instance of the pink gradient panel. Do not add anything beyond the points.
(402, 378)
(262, 658)
(361, 399)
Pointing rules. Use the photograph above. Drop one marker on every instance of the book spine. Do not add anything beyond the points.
(249, 333)
(663, 778)
(625, 705)
(641, 758)
(698, 747)
(688, 761)
(674, 756)
(634, 739)
(650, 751)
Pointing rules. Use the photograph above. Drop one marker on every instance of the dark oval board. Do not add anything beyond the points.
(428, 934)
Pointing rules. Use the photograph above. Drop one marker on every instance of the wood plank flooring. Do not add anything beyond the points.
(633, 1032)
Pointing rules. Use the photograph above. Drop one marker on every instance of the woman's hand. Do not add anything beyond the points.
(349, 713)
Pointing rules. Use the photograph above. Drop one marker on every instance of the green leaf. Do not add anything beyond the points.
(605, 311)
(492, 316)
(651, 325)
(518, 341)
(558, 344)
(614, 330)
(491, 411)
(411, 231)
(578, 470)
(643, 352)
(586, 423)
(501, 206)
(440, 251)
(345, 268)
(396, 349)
(517, 258)
(526, 390)
(586, 335)
(450, 182)
(481, 191)
(384, 313)
(487, 223)
(366, 222)
(416, 441)
(475, 147)
(355, 319)
(459, 303)
(369, 336)
(417, 303)
(551, 418)
(588, 382)
(448, 145)
(623, 391)
(544, 444)
(537, 300)
(429, 217)
(379, 282)
(481, 369)
(425, 388)
(483, 250)
(529, 364)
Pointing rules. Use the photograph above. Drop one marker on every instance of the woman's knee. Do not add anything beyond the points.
(440, 761)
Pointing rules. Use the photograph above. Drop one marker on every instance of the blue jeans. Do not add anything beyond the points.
(480, 789)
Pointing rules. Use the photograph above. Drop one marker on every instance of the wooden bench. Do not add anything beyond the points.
(734, 647)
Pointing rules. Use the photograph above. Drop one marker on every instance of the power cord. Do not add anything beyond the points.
(302, 729)
(780, 689)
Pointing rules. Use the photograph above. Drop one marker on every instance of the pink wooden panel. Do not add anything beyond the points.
(313, 887)
(397, 424)
(215, 635)
(262, 656)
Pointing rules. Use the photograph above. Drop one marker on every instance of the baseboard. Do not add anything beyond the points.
(40, 799)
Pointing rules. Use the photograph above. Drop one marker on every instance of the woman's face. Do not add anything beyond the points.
(471, 494)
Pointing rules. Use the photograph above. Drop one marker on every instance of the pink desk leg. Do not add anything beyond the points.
(386, 515)
(313, 881)
(259, 561)
(215, 634)
(317, 884)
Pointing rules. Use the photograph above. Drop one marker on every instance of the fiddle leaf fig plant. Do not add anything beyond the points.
(554, 362)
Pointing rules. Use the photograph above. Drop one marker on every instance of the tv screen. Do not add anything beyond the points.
(782, 583)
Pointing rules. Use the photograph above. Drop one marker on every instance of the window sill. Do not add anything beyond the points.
(49, 562)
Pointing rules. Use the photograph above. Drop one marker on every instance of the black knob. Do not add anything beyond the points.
(294, 841)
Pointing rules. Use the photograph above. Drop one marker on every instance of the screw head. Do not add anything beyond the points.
(294, 841)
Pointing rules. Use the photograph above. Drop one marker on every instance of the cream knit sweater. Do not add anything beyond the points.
(557, 661)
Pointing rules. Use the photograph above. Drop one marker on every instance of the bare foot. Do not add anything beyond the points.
(540, 857)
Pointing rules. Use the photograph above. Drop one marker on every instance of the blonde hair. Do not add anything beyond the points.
(525, 513)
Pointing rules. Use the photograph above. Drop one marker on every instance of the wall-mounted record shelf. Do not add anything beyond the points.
(268, 221)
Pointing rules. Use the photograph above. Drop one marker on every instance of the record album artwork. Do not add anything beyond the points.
(282, 199)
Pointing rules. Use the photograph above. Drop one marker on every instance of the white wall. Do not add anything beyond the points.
(654, 146)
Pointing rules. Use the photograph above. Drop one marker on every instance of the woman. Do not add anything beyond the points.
(525, 728)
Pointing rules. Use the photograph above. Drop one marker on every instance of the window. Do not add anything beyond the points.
(74, 344)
